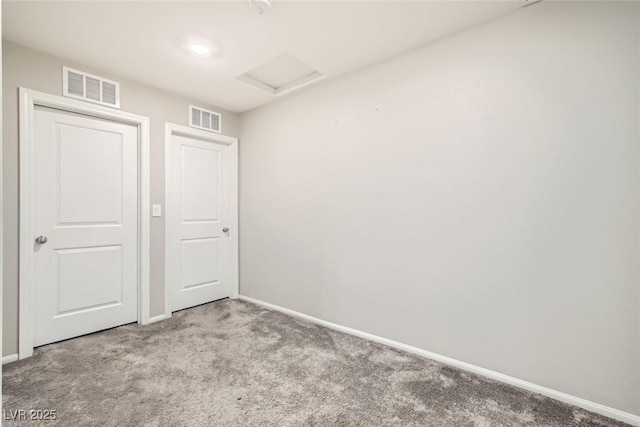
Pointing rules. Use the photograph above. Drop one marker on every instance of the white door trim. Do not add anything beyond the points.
(173, 129)
(28, 100)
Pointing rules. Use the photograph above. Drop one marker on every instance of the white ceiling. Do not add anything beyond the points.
(147, 40)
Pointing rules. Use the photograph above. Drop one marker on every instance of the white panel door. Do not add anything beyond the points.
(86, 206)
(199, 245)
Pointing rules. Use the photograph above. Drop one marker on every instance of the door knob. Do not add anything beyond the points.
(41, 240)
(225, 230)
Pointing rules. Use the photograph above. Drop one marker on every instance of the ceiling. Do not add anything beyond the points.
(148, 41)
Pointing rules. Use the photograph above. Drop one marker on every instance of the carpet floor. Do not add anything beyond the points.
(232, 363)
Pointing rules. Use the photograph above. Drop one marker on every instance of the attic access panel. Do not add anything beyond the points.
(280, 74)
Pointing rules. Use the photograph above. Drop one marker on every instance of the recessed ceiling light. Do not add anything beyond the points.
(199, 49)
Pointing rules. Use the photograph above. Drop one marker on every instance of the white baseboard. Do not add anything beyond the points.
(558, 395)
(158, 318)
(9, 358)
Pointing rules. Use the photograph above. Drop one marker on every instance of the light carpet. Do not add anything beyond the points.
(232, 363)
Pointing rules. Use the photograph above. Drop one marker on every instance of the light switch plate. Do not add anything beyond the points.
(156, 210)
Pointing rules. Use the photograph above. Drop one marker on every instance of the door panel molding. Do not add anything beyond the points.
(232, 144)
(28, 101)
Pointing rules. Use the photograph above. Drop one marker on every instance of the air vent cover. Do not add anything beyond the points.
(204, 119)
(81, 85)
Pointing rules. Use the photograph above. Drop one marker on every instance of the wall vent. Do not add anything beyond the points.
(205, 119)
(81, 85)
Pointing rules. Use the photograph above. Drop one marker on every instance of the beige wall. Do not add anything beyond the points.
(478, 197)
(34, 70)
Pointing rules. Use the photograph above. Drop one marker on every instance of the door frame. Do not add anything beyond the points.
(28, 100)
(172, 129)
